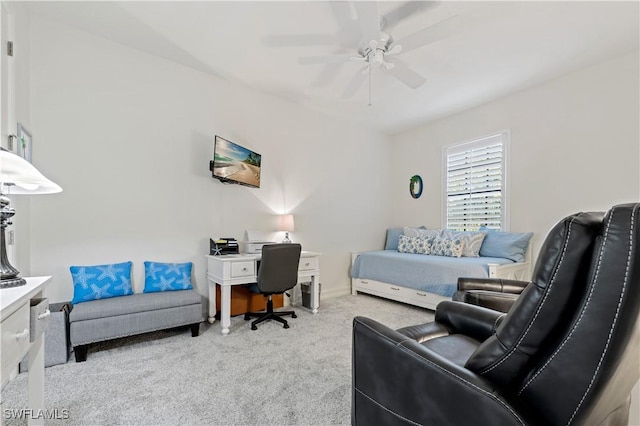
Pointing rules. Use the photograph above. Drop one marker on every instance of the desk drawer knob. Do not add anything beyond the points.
(23, 335)
(244, 269)
(307, 264)
(44, 314)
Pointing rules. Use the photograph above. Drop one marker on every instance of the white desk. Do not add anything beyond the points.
(236, 269)
(14, 328)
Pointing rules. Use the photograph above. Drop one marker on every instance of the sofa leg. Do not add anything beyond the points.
(195, 329)
(81, 352)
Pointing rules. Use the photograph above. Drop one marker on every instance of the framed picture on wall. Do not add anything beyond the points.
(25, 144)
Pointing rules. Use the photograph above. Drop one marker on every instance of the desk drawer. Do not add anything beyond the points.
(39, 317)
(243, 269)
(308, 264)
(15, 340)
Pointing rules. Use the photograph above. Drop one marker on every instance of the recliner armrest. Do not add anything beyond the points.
(456, 318)
(492, 284)
(397, 381)
(471, 320)
(489, 299)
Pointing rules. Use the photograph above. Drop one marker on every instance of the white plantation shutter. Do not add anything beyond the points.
(475, 184)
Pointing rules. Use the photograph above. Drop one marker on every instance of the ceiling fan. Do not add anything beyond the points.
(369, 36)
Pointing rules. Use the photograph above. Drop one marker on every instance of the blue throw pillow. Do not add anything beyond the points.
(100, 281)
(167, 276)
(509, 245)
(393, 237)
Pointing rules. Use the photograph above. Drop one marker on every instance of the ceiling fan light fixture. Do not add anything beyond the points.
(378, 56)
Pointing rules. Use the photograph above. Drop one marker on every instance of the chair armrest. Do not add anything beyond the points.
(471, 320)
(396, 380)
(492, 284)
(456, 318)
(489, 299)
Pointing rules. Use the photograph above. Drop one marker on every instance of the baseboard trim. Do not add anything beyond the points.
(334, 292)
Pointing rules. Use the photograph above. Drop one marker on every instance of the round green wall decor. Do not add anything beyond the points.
(415, 186)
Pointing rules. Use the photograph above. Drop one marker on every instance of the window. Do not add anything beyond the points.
(475, 184)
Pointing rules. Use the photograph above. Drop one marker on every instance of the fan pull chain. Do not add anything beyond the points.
(369, 84)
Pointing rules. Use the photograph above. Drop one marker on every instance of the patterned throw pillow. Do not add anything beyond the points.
(421, 232)
(167, 276)
(451, 247)
(414, 245)
(407, 244)
(472, 241)
(100, 281)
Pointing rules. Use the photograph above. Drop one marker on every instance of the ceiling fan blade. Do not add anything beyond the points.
(405, 74)
(349, 33)
(368, 19)
(355, 83)
(431, 34)
(402, 12)
(333, 59)
(328, 73)
(394, 50)
(286, 40)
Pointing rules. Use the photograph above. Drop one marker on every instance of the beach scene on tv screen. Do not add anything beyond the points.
(234, 162)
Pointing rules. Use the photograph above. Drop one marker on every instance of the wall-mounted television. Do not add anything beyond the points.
(233, 163)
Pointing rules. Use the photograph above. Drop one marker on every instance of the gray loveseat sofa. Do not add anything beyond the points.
(105, 319)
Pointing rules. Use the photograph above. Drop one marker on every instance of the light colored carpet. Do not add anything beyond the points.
(271, 376)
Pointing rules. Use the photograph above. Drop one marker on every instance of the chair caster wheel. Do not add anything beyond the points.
(286, 326)
(247, 317)
(253, 327)
(294, 316)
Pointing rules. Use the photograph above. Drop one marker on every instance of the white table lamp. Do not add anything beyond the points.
(17, 177)
(286, 225)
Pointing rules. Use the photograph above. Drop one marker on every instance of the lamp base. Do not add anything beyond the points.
(12, 282)
(286, 239)
(8, 274)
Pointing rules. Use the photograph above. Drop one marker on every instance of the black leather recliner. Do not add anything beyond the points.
(493, 293)
(566, 353)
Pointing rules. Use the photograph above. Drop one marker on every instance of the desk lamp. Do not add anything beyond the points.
(17, 177)
(286, 224)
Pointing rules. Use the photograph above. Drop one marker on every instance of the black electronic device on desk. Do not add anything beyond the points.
(222, 246)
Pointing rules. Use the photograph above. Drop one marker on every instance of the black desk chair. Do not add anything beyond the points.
(278, 273)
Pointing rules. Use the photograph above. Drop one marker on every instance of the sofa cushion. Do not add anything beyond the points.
(100, 281)
(510, 245)
(393, 237)
(167, 276)
(132, 304)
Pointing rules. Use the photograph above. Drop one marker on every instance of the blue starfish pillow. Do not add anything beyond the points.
(100, 281)
(167, 276)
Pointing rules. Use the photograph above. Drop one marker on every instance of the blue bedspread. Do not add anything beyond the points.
(434, 274)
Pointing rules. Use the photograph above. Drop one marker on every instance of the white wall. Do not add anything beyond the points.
(17, 109)
(574, 147)
(129, 137)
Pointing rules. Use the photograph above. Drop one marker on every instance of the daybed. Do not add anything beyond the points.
(425, 280)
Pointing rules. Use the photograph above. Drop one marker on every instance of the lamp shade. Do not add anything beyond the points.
(286, 223)
(18, 176)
